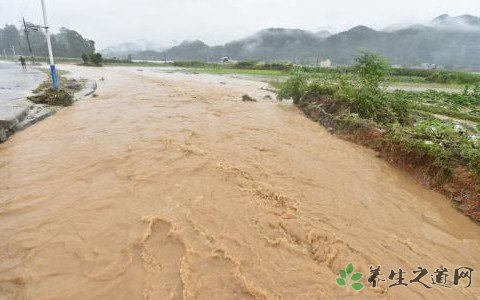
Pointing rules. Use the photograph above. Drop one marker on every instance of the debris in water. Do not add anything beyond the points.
(50, 96)
(267, 97)
(248, 98)
(74, 86)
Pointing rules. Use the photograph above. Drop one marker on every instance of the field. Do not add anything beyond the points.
(396, 77)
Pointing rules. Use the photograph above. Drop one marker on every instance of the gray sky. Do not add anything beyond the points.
(218, 21)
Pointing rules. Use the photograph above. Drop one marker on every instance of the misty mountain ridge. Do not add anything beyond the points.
(462, 23)
(452, 42)
(125, 49)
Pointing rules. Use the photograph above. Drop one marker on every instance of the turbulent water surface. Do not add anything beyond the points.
(168, 186)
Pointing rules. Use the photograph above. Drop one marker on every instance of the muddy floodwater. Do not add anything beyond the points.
(168, 186)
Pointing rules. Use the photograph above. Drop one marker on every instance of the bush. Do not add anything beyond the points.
(294, 87)
(96, 58)
(245, 64)
(92, 58)
(85, 58)
(361, 95)
(453, 77)
(371, 68)
(317, 88)
(191, 64)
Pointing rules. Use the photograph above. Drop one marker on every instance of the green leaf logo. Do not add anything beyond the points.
(356, 276)
(352, 281)
(357, 286)
(349, 268)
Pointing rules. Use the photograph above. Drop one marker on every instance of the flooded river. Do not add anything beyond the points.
(168, 186)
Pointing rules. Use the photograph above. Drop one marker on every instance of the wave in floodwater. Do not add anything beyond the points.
(168, 186)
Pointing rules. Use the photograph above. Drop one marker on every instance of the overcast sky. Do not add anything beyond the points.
(218, 21)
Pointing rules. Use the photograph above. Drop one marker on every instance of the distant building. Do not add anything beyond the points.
(225, 59)
(326, 63)
(427, 66)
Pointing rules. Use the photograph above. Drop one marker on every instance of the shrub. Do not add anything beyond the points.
(294, 87)
(371, 68)
(191, 64)
(96, 58)
(85, 58)
(92, 58)
(245, 64)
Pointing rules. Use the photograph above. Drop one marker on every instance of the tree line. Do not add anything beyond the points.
(65, 43)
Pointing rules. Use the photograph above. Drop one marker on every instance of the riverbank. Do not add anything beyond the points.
(431, 134)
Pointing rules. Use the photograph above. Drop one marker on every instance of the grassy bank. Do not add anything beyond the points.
(44, 94)
(434, 135)
(443, 78)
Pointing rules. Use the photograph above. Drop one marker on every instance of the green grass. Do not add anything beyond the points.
(226, 71)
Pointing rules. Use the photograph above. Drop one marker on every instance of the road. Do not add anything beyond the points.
(15, 85)
(168, 186)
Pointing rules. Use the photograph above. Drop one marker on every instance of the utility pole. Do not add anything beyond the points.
(5, 53)
(13, 50)
(49, 44)
(25, 29)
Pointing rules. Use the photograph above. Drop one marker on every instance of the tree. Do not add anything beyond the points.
(96, 58)
(371, 68)
(85, 58)
(10, 37)
(66, 43)
(92, 58)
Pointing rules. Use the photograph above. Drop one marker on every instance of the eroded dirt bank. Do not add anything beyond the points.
(169, 186)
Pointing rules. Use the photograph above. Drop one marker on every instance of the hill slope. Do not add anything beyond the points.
(453, 42)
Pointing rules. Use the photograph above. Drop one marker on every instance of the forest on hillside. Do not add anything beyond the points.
(65, 43)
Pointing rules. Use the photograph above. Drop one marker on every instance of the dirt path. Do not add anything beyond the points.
(168, 186)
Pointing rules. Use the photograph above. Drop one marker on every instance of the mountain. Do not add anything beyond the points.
(124, 49)
(452, 42)
(342, 47)
(460, 23)
(274, 44)
(268, 45)
(323, 34)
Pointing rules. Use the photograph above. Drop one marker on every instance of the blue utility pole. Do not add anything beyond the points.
(49, 44)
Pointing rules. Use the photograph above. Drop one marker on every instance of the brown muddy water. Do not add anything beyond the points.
(168, 186)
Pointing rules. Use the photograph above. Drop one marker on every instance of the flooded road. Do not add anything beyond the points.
(168, 186)
(15, 85)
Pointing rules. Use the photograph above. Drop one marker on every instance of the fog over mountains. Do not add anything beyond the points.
(452, 42)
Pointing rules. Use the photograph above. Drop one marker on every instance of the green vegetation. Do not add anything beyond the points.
(60, 97)
(435, 132)
(241, 68)
(371, 69)
(44, 94)
(65, 43)
(413, 77)
(92, 59)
